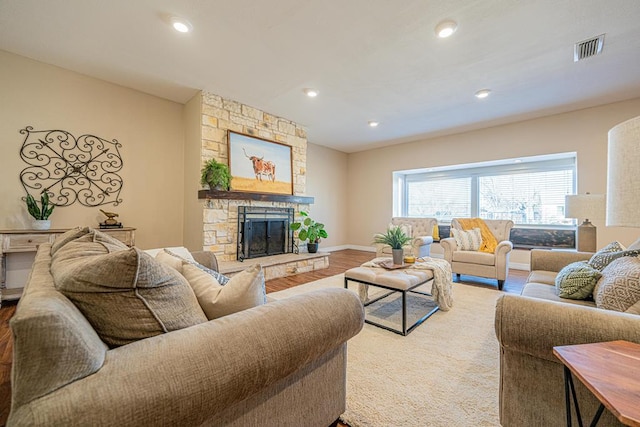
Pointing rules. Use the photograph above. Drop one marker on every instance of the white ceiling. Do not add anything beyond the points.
(370, 59)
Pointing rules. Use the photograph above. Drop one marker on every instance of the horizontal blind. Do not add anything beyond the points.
(442, 199)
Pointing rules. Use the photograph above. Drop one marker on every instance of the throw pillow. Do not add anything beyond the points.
(619, 287)
(612, 251)
(244, 290)
(577, 280)
(635, 245)
(127, 295)
(436, 233)
(67, 237)
(470, 240)
(489, 242)
(221, 278)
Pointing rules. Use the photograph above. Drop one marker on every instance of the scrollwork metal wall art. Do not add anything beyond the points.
(70, 169)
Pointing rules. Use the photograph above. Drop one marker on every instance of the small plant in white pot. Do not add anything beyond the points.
(40, 213)
(396, 238)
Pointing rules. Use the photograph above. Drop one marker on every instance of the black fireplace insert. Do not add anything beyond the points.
(264, 231)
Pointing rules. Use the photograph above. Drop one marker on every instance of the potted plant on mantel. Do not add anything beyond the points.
(396, 238)
(40, 214)
(215, 175)
(309, 230)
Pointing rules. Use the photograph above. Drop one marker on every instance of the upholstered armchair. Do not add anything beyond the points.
(476, 263)
(421, 231)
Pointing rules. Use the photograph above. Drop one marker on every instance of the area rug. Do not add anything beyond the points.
(444, 373)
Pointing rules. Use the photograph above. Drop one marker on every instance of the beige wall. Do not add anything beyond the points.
(583, 131)
(150, 130)
(193, 237)
(326, 182)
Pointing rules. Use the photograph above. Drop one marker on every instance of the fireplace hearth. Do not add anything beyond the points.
(264, 231)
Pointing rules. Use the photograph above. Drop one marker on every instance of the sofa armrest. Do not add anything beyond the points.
(187, 376)
(534, 326)
(206, 258)
(547, 260)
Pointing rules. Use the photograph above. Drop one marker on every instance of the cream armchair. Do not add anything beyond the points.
(482, 264)
(421, 233)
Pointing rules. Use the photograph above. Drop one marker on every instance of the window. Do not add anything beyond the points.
(528, 191)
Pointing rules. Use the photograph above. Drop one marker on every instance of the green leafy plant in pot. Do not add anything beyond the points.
(216, 175)
(40, 213)
(309, 230)
(396, 238)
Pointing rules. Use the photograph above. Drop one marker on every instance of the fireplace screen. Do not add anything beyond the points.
(264, 231)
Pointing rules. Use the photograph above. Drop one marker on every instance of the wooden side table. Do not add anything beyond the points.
(611, 371)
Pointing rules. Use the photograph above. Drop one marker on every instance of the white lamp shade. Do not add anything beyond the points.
(623, 175)
(584, 206)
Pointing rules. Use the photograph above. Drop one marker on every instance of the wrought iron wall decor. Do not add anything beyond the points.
(70, 169)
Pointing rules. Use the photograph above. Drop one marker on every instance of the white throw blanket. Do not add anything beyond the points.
(441, 290)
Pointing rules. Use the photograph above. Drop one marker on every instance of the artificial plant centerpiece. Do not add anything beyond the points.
(309, 230)
(216, 175)
(396, 238)
(40, 213)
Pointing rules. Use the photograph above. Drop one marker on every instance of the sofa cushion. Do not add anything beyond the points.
(126, 295)
(577, 280)
(471, 257)
(619, 287)
(543, 276)
(86, 234)
(244, 290)
(549, 292)
(176, 260)
(612, 251)
(467, 240)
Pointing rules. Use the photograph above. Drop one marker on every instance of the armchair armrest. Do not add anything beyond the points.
(185, 377)
(450, 246)
(422, 240)
(534, 326)
(547, 260)
(504, 247)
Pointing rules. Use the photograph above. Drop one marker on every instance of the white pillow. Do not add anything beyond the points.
(244, 290)
(469, 240)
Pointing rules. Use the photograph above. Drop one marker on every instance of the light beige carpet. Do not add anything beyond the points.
(444, 373)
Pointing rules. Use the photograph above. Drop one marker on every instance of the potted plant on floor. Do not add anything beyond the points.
(216, 175)
(396, 238)
(309, 230)
(40, 213)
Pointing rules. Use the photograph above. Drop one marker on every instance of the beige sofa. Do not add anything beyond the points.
(421, 237)
(282, 363)
(475, 263)
(528, 326)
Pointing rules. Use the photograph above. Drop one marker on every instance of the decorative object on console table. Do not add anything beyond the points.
(40, 214)
(27, 241)
(396, 238)
(623, 174)
(260, 165)
(309, 230)
(110, 222)
(585, 206)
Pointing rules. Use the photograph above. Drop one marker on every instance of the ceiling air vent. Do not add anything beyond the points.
(587, 48)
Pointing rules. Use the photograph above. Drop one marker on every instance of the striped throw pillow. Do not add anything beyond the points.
(469, 240)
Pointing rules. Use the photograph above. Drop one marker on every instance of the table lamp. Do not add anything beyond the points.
(623, 175)
(585, 206)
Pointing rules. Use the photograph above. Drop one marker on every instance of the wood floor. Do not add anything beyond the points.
(339, 262)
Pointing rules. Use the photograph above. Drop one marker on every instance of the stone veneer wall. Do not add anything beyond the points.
(219, 115)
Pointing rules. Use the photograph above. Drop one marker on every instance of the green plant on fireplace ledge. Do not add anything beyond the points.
(216, 175)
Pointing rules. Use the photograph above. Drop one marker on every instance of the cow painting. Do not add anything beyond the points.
(262, 167)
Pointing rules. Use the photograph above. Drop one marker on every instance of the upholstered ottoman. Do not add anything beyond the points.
(403, 280)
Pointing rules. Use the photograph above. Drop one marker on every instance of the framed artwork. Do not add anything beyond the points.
(260, 166)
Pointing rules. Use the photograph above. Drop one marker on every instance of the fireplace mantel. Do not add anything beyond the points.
(263, 197)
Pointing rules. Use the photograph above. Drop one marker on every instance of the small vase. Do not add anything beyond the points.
(398, 255)
(41, 224)
(312, 248)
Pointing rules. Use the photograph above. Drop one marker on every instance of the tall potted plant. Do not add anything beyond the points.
(396, 238)
(40, 213)
(309, 230)
(216, 175)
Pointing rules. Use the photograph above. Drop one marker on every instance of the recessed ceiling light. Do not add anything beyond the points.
(373, 123)
(311, 93)
(446, 28)
(483, 93)
(181, 25)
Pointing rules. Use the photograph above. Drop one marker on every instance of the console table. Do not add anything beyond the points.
(21, 241)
